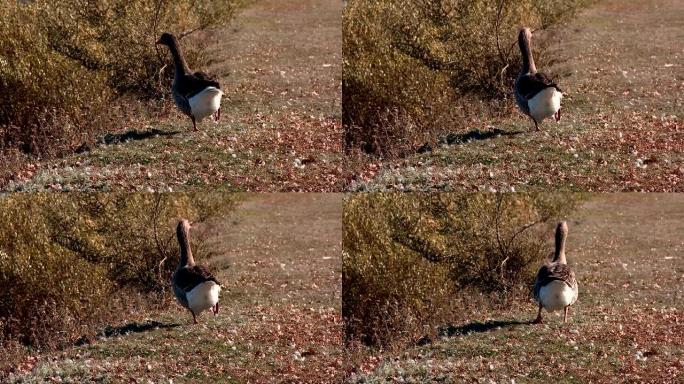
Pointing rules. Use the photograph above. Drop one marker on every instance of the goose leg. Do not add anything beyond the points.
(216, 309)
(194, 318)
(194, 124)
(565, 315)
(539, 319)
(536, 126)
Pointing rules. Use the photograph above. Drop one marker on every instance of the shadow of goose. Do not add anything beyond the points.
(476, 134)
(134, 134)
(135, 327)
(477, 327)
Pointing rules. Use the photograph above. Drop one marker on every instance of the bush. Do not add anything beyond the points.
(406, 257)
(62, 64)
(406, 64)
(63, 257)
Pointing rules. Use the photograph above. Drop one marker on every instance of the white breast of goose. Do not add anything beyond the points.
(545, 103)
(205, 103)
(556, 295)
(203, 296)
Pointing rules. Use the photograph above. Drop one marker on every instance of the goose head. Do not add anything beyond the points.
(167, 39)
(525, 33)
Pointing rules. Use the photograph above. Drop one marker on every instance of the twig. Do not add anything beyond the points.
(498, 23)
(186, 33)
(155, 32)
(160, 249)
(528, 226)
(161, 70)
(502, 249)
(502, 56)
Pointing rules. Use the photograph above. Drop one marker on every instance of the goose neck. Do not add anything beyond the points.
(181, 66)
(526, 51)
(561, 236)
(184, 243)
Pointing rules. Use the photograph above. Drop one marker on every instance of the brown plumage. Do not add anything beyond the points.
(186, 84)
(554, 271)
(547, 291)
(188, 275)
(531, 83)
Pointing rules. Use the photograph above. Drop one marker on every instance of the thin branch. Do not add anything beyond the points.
(503, 249)
(499, 10)
(160, 249)
(526, 227)
(186, 33)
(155, 32)
(497, 213)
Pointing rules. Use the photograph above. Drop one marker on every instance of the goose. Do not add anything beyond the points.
(196, 94)
(194, 286)
(535, 93)
(555, 287)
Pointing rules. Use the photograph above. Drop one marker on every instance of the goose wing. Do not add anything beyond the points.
(209, 79)
(189, 277)
(550, 272)
(195, 83)
(529, 85)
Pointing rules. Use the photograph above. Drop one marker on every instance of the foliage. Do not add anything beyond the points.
(407, 256)
(63, 256)
(63, 63)
(407, 64)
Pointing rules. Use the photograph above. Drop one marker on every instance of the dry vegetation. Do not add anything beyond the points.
(625, 327)
(277, 257)
(622, 124)
(280, 130)
(407, 256)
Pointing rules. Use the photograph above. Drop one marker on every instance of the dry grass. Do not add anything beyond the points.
(280, 130)
(622, 125)
(278, 259)
(625, 327)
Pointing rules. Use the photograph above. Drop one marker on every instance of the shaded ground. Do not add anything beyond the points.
(280, 129)
(278, 259)
(626, 326)
(622, 126)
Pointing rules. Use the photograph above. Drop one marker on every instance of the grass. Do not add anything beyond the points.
(280, 316)
(280, 130)
(621, 128)
(625, 327)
